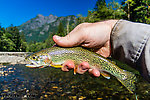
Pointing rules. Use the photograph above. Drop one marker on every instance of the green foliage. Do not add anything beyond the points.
(60, 30)
(133, 10)
(6, 44)
(36, 46)
(49, 41)
(33, 47)
(81, 19)
(10, 40)
(137, 10)
(103, 11)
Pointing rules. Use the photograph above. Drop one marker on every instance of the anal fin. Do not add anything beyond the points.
(105, 75)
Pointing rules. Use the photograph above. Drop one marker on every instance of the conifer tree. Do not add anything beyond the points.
(137, 10)
(60, 31)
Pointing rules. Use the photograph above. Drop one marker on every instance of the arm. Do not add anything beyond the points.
(130, 44)
(90, 35)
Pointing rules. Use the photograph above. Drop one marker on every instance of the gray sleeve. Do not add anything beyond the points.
(130, 44)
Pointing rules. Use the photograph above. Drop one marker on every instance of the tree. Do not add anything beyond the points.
(137, 10)
(23, 46)
(103, 11)
(15, 37)
(10, 40)
(7, 44)
(80, 19)
(116, 10)
(60, 30)
(49, 41)
(99, 3)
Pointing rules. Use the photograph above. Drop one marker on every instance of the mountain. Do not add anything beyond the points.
(40, 27)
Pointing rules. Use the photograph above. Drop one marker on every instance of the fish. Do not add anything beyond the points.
(57, 56)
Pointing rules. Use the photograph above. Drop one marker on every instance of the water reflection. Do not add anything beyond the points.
(20, 82)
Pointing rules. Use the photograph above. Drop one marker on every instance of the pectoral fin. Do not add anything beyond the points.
(75, 69)
(105, 75)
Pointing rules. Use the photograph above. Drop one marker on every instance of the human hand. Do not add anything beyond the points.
(90, 35)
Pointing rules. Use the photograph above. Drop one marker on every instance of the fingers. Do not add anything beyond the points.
(68, 65)
(74, 38)
(82, 68)
(94, 72)
(69, 40)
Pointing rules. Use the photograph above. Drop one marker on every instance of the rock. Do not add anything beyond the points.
(13, 58)
(45, 96)
(6, 90)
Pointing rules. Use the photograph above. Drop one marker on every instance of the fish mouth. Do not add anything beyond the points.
(34, 64)
(31, 66)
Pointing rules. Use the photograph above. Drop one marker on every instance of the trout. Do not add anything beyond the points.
(57, 56)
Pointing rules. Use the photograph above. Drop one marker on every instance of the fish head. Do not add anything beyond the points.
(38, 60)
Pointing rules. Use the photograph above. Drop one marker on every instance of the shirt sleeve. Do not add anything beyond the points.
(130, 43)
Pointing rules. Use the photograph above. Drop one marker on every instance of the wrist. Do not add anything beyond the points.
(106, 49)
(111, 23)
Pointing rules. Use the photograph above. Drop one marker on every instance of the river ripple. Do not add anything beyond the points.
(19, 82)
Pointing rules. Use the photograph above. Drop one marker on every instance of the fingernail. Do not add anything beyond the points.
(90, 70)
(57, 37)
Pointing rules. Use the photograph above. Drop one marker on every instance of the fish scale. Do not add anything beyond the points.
(58, 55)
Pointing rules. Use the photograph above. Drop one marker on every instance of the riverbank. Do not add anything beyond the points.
(13, 57)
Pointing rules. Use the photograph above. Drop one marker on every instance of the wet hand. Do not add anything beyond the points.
(81, 68)
(90, 35)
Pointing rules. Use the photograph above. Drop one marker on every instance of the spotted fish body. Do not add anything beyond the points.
(58, 56)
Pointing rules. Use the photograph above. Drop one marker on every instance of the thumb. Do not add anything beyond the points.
(69, 40)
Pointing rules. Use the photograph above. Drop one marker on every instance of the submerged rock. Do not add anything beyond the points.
(25, 83)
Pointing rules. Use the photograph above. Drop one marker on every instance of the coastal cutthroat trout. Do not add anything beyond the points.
(57, 56)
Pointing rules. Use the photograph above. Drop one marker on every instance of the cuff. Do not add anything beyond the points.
(128, 42)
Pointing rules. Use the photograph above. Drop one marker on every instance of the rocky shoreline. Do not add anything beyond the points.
(13, 57)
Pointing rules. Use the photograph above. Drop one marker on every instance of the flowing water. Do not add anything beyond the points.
(19, 82)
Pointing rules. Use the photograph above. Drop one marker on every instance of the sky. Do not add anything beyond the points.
(17, 12)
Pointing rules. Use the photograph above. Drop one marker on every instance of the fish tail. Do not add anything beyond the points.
(129, 82)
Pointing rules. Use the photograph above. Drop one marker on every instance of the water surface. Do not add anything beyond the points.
(19, 82)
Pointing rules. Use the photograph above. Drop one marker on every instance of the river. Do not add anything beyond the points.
(19, 82)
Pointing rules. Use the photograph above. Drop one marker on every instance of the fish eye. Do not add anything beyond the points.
(33, 57)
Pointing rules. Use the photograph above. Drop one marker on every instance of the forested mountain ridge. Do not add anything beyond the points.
(40, 27)
(37, 33)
